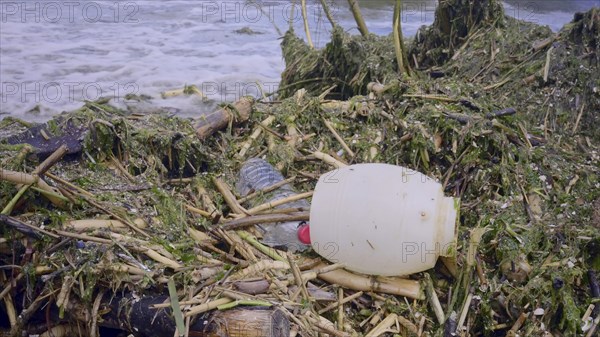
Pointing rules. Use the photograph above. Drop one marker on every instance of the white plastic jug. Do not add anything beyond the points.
(382, 219)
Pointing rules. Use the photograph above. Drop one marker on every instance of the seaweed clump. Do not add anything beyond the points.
(347, 63)
(454, 22)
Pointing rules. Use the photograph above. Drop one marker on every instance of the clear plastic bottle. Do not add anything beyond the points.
(257, 174)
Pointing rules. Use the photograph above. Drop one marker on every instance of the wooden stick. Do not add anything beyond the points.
(51, 160)
(6, 219)
(465, 310)
(578, 118)
(179, 181)
(83, 237)
(497, 85)
(254, 136)
(28, 179)
(360, 22)
(398, 43)
(387, 285)
(39, 171)
(306, 28)
(421, 326)
(273, 204)
(114, 215)
(328, 13)
(341, 302)
(297, 278)
(186, 90)
(94, 224)
(266, 189)
(263, 219)
(283, 210)
(538, 45)
(95, 308)
(154, 255)
(547, 66)
(207, 202)
(251, 239)
(594, 327)
(139, 244)
(198, 211)
(325, 325)
(9, 304)
(338, 137)
(234, 241)
(293, 135)
(228, 196)
(68, 184)
(329, 159)
(519, 322)
(324, 268)
(12, 203)
(340, 311)
(588, 312)
(260, 267)
(383, 326)
(126, 268)
(434, 300)
(433, 97)
(9, 285)
(122, 169)
(196, 310)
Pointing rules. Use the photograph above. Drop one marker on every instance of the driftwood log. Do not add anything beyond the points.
(139, 317)
(238, 112)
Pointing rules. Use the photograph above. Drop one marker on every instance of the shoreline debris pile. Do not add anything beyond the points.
(140, 229)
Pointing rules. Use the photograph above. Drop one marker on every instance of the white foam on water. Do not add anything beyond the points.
(550, 12)
(56, 54)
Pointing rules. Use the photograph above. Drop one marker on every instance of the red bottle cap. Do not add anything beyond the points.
(304, 234)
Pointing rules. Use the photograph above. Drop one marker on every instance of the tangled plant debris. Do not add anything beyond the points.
(130, 221)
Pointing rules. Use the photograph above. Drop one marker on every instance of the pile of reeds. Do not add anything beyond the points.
(119, 220)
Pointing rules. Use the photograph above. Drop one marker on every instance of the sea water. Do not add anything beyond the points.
(54, 55)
